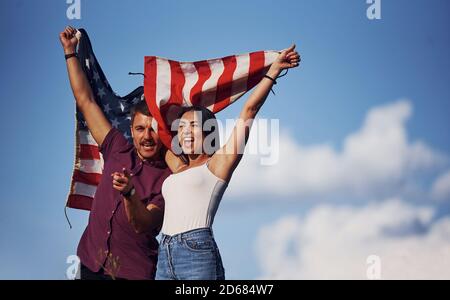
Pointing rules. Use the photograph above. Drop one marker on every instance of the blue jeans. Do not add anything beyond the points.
(191, 255)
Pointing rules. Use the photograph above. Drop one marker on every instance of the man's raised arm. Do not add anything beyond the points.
(96, 120)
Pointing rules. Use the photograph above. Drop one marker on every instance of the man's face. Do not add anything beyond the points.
(145, 139)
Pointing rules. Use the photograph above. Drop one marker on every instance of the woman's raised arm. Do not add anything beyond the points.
(226, 159)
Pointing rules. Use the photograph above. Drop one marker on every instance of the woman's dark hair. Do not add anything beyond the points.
(210, 128)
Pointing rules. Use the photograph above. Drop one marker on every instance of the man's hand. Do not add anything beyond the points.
(122, 181)
(142, 217)
(68, 39)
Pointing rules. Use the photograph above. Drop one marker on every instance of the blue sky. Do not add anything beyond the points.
(351, 65)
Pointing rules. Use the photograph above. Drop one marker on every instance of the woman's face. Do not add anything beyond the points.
(190, 133)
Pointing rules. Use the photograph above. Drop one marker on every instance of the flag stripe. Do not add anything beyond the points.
(269, 58)
(191, 77)
(89, 152)
(209, 88)
(255, 70)
(150, 91)
(79, 202)
(91, 166)
(204, 73)
(225, 84)
(239, 81)
(86, 138)
(163, 81)
(83, 189)
(177, 83)
(87, 178)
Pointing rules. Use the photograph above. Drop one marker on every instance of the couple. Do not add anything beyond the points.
(151, 187)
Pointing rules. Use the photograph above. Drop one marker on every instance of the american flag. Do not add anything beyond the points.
(88, 160)
(212, 83)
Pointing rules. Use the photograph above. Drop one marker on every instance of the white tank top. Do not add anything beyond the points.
(191, 199)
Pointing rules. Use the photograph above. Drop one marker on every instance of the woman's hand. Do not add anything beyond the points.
(122, 181)
(288, 58)
(68, 39)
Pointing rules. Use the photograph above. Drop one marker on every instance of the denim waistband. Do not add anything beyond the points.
(194, 233)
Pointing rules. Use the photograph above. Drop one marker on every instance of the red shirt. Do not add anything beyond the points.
(109, 240)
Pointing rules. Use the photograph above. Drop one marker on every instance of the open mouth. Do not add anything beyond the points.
(148, 145)
(188, 142)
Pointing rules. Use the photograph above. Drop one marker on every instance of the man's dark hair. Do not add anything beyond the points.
(140, 107)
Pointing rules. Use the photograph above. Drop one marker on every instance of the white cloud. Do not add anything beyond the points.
(441, 187)
(377, 156)
(334, 242)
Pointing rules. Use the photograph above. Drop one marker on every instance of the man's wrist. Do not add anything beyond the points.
(69, 50)
(130, 193)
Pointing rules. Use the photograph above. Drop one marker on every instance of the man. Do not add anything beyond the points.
(120, 239)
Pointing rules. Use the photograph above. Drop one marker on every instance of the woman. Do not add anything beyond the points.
(193, 192)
